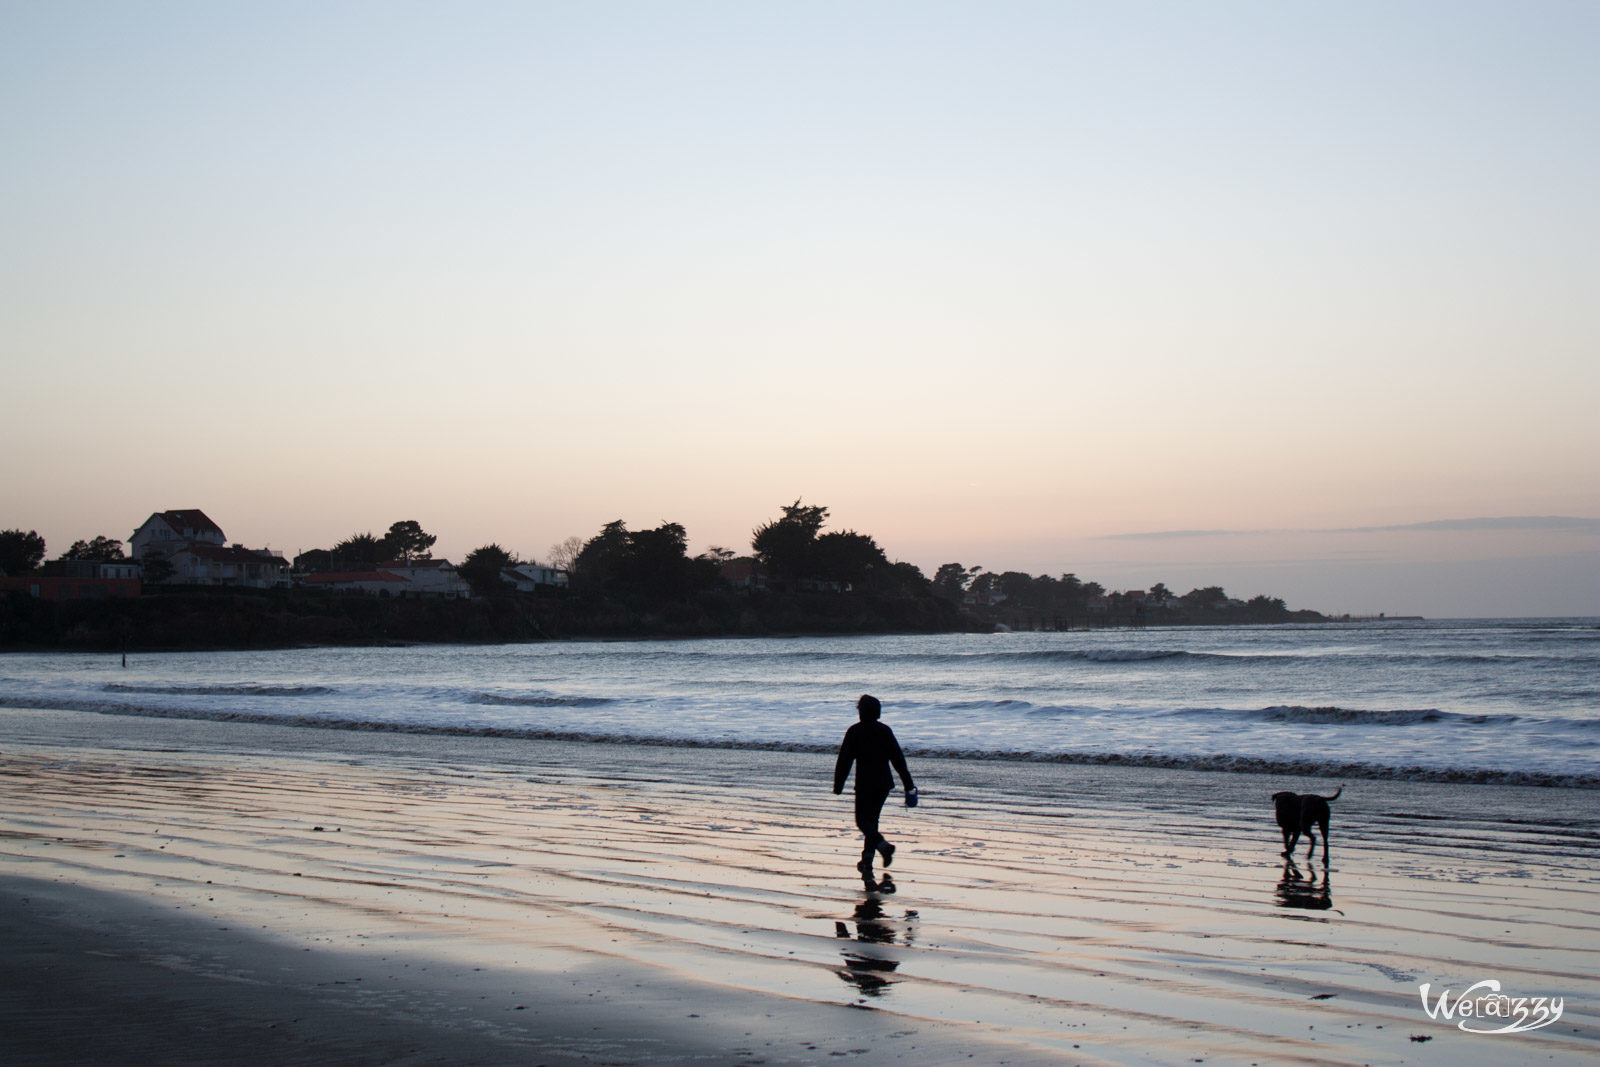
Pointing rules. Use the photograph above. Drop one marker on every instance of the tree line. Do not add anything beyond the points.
(1045, 600)
(22, 551)
(406, 540)
(791, 554)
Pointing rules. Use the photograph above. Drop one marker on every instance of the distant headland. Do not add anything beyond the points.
(183, 586)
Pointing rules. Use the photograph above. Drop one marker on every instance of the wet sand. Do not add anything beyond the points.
(198, 892)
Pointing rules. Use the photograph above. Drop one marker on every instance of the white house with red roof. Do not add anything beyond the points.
(397, 577)
(167, 531)
(428, 577)
(200, 554)
(230, 565)
(376, 583)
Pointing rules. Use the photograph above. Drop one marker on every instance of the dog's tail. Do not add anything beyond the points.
(1336, 793)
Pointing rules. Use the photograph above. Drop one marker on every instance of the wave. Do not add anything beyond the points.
(973, 705)
(1119, 655)
(1463, 659)
(1091, 655)
(1282, 713)
(1349, 657)
(1355, 716)
(1256, 659)
(1008, 706)
(536, 700)
(1036, 655)
(1181, 761)
(220, 690)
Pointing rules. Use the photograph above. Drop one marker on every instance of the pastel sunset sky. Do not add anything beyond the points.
(1295, 298)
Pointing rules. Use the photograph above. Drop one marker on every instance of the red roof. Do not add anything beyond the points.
(191, 519)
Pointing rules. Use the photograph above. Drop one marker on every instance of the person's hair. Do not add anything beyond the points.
(869, 707)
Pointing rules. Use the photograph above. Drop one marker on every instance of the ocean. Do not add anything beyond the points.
(1507, 701)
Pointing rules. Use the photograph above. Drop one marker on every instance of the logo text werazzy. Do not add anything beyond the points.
(1483, 1001)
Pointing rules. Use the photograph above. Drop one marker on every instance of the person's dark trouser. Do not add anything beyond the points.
(869, 804)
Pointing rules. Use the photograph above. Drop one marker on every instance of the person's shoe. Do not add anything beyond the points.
(865, 867)
(888, 853)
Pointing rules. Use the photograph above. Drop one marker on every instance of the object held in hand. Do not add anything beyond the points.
(911, 797)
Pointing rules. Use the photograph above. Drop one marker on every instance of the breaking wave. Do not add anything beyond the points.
(220, 690)
(536, 700)
(1098, 655)
(1358, 717)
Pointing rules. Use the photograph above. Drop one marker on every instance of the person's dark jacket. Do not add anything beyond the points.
(872, 747)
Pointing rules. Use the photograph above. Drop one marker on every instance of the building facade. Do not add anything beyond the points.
(199, 553)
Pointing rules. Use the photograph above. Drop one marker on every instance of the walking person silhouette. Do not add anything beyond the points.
(871, 746)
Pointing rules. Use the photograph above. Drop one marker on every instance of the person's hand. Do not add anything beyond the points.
(911, 797)
(837, 790)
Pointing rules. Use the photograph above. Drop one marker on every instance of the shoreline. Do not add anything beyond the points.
(401, 895)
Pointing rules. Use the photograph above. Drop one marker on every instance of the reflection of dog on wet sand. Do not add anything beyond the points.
(1296, 890)
(1299, 813)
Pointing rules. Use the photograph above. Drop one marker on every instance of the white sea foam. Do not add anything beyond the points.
(1460, 702)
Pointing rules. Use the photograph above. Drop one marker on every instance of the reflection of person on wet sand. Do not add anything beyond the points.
(865, 965)
(872, 747)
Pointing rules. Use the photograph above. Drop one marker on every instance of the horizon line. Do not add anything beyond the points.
(1567, 523)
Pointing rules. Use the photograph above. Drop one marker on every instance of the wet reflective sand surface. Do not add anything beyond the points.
(449, 900)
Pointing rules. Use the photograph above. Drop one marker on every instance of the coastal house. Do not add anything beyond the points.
(373, 583)
(199, 552)
(43, 587)
(534, 578)
(105, 570)
(397, 578)
(229, 565)
(743, 574)
(167, 531)
(78, 579)
(428, 577)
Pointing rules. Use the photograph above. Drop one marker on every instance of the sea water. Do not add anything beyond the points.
(1471, 700)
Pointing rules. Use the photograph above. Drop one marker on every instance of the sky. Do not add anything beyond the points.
(1294, 298)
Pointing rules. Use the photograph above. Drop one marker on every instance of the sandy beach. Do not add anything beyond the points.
(204, 892)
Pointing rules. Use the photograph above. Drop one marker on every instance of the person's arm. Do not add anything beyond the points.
(899, 761)
(847, 756)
